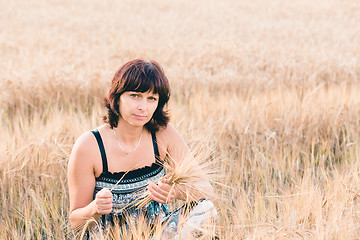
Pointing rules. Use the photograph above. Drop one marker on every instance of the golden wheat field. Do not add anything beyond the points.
(269, 87)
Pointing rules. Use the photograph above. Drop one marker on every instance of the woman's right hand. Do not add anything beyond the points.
(103, 201)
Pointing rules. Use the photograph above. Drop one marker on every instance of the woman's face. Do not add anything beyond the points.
(137, 108)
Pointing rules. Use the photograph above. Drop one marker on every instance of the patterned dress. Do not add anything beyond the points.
(131, 188)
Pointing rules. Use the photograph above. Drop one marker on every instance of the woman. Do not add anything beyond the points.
(121, 154)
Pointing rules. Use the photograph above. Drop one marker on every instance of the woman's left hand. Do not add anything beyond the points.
(161, 191)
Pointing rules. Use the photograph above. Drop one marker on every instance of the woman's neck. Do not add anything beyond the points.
(128, 134)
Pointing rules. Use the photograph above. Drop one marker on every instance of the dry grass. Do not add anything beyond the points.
(271, 86)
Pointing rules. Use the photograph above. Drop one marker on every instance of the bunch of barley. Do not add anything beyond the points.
(189, 176)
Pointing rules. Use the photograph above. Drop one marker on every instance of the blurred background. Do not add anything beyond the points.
(270, 88)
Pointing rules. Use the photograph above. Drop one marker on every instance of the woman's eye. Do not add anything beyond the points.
(152, 99)
(133, 95)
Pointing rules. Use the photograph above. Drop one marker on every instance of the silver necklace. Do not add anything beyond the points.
(133, 150)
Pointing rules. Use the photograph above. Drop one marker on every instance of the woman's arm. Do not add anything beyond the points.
(81, 181)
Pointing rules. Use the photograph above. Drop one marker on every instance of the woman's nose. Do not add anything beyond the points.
(142, 104)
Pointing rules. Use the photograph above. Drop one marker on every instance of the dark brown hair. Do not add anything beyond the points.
(139, 76)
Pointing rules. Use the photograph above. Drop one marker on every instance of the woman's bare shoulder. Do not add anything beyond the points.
(85, 149)
(85, 142)
(168, 132)
(170, 137)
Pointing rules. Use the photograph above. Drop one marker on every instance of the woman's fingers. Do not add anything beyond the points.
(104, 193)
(103, 201)
(168, 190)
(103, 209)
(161, 192)
(162, 187)
(157, 188)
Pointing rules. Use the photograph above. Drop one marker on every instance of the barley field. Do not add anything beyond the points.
(270, 88)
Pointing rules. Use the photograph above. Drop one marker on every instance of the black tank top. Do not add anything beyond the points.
(131, 187)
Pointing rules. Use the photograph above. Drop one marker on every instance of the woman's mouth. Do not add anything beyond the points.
(140, 117)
